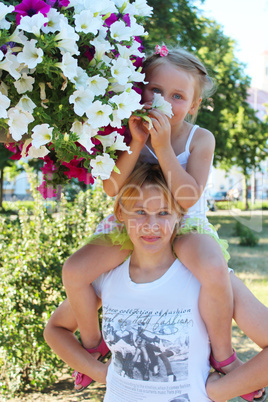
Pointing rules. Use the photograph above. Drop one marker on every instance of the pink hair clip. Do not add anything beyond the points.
(162, 51)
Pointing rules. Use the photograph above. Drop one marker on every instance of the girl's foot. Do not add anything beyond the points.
(226, 366)
(230, 364)
(82, 381)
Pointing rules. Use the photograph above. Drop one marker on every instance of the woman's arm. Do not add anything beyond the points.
(252, 318)
(59, 335)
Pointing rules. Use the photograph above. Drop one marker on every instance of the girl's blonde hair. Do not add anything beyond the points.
(186, 61)
(149, 175)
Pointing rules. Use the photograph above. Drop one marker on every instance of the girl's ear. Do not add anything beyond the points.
(195, 106)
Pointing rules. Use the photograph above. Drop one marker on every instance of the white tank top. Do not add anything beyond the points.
(199, 209)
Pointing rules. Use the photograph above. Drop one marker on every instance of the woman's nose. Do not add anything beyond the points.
(151, 224)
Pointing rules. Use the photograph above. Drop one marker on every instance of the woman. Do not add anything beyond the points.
(153, 299)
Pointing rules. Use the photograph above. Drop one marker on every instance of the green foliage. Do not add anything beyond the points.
(33, 248)
(246, 235)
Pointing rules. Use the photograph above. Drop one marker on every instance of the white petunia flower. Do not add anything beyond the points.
(98, 84)
(82, 100)
(113, 141)
(85, 133)
(31, 56)
(18, 121)
(80, 79)
(120, 145)
(87, 22)
(24, 84)
(68, 66)
(33, 24)
(101, 47)
(4, 105)
(18, 37)
(101, 7)
(136, 29)
(26, 104)
(141, 8)
(126, 103)
(116, 121)
(119, 31)
(4, 10)
(42, 134)
(102, 166)
(161, 104)
(55, 21)
(38, 152)
(120, 70)
(66, 39)
(10, 64)
(134, 49)
(98, 114)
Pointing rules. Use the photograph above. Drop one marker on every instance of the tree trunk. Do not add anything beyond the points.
(1, 187)
(245, 192)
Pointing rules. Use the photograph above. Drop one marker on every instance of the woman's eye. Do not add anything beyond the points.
(140, 212)
(163, 213)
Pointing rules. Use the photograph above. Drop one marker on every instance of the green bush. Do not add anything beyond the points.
(33, 248)
(246, 235)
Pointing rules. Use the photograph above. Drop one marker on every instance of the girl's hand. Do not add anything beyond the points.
(138, 129)
(161, 130)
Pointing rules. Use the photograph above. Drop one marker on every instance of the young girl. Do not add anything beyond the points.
(151, 320)
(185, 153)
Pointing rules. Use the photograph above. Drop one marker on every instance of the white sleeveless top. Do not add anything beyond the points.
(199, 209)
(159, 343)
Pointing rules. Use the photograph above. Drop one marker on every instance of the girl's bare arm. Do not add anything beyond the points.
(126, 162)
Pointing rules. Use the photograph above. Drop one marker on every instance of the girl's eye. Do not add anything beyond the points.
(177, 96)
(156, 91)
(163, 213)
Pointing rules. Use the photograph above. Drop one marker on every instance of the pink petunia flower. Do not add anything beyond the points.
(47, 191)
(78, 172)
(30, 8)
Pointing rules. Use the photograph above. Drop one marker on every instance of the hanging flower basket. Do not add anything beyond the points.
(70, 72)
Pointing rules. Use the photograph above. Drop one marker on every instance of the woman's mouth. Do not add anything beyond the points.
(150, 239)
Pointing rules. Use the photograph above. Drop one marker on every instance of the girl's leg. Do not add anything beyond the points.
(250, 314)
(252, 317)
(59, 335)
(202, 255)
(79, 271)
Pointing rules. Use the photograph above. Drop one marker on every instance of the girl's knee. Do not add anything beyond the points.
(69, 271)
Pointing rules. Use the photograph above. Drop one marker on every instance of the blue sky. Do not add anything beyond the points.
(245, 21)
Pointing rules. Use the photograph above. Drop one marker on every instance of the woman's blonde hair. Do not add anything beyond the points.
(186, 61)
(149, 175)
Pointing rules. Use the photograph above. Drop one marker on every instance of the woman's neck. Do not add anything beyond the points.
(147, 267)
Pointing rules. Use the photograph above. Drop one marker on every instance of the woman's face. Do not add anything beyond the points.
(150, 221)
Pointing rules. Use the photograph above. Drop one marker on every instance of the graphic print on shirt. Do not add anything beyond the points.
(149, 345)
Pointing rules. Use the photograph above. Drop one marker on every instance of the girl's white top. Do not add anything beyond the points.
(159, 343)
(199, 209)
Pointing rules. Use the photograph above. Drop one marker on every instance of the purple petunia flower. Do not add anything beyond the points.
(30, 8)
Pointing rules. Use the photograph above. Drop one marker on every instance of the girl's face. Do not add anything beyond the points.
(177, 86)
(150, 222)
